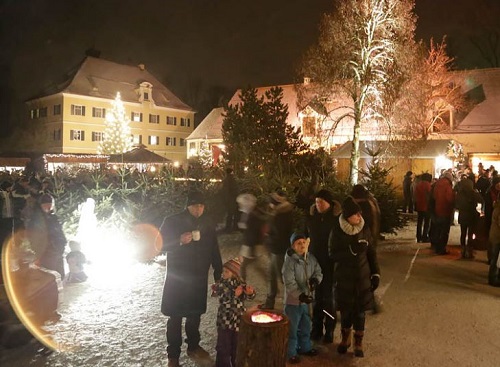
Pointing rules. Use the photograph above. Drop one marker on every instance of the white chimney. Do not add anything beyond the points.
(142, 67)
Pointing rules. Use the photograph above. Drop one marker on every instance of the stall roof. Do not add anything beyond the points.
(138, 155)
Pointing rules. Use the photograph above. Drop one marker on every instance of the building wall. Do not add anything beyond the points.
(76, 131)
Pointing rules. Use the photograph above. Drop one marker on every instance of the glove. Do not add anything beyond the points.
(359, 246)
(304, 298)
(313, 284)
(375, 280)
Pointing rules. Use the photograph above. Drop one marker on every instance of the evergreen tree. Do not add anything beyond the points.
(376, 181)
(117, 137)
(256, 133)
(205, 154)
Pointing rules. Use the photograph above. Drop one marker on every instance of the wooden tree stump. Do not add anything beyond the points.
(262, 344)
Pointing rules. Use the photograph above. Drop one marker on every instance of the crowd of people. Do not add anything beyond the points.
(474, 197)
(325, 264)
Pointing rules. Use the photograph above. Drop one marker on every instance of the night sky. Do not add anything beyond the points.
(193, 45)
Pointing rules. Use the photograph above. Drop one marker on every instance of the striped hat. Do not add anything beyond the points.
(233, 266)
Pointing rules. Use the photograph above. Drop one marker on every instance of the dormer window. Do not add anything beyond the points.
(145, 91)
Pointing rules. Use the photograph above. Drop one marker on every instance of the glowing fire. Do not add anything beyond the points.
(261, 317)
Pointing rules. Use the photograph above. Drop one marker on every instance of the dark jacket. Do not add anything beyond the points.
(467, 200)
(353, 270)
(257, 228)
(319, 226)
(281, 228)
(185, 288)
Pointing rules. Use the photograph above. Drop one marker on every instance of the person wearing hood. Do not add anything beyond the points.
(369, 209)
(190, 242)
(301, 276)
(280, 229)
(357, 273)
(319, 223)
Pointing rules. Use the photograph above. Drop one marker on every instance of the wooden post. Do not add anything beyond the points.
(262, 344)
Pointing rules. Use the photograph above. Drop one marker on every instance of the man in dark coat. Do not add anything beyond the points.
(407, 192)
(319, 224)
(190, 241)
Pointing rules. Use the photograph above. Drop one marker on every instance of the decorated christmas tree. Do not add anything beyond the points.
(117, 137)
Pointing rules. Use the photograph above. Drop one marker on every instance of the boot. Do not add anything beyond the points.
(358, 343)
(329, 331)
(345, 343)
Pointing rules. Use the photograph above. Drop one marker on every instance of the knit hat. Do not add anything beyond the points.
(359, 192)
(350, 207)
(296, 236)
(45, 199)
(233, 266)
(195, 197)
(325, 195)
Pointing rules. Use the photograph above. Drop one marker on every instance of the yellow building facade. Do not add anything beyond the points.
(72, 119)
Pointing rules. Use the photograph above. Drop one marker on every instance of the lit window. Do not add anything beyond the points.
(33, 114)
(154, 140)
(77, 135)
(98, 112)
(192, 146)
(137, 139)
(136, 117)
(77, 110)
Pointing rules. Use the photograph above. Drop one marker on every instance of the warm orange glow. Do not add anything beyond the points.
(261, 317)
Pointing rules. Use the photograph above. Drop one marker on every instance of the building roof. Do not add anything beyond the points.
(210, 127)
(138, 155)
(398, 148)
(482, 87)
(101, 78)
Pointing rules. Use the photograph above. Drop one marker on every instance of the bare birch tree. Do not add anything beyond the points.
(362, 53)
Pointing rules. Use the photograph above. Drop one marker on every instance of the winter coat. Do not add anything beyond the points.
(407, 181)
(297, 271)
(230, 307)
(466, 202)
(280, 228)
(47, 239)
(353, 270)
(444, 198)
(185, 288)
(422, 192)
(319, 226)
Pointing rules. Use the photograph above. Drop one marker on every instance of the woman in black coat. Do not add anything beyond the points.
(356, 274)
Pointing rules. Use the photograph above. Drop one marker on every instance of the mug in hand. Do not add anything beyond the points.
(196, 235)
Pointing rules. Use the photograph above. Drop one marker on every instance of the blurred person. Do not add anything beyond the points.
(357, 273)
(190, 242)
(422, 193)
(232, 291)
(254, 236)
(483, 183)
(319, 224)
(46, 235)
(301, 276)
(494, 238)
(490, 200)
(277, 242)
(76, 260)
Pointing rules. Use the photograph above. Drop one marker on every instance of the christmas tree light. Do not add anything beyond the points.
(117, 137)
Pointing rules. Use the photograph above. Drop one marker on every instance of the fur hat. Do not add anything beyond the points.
(233, 266)
(195, 197)
(45, 199)
(325, 195)
(296, 236)
(350, 207)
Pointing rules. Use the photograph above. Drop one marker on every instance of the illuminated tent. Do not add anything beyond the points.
(138, 155)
